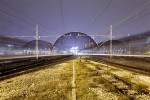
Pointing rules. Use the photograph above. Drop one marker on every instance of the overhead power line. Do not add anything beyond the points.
(140, 10)
(99, 15)
(13, 23)
(14, 17)
(62, 14)
(131, 16)
(34, 22)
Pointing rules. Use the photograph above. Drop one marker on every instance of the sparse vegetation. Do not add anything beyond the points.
(135, 86)
(111, 88)
(53, 83)
(138, 83)
(100, 80)
(93, 82)
(93, 74)
(139, 87)
(84, 82)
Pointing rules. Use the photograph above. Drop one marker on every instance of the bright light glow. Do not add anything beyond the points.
(74, 50)
(9, 45)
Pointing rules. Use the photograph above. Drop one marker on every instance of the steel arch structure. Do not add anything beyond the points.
(44, 47)
(74, 40)
(117, 47)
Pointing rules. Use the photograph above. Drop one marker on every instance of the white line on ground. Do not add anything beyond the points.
(73, 82)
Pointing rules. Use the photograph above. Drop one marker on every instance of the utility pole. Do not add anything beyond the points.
(110, 41)
(36, 47)
(129, 49)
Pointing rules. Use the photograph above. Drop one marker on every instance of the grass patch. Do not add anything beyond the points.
(139, 87)
(83, 82)
(93, 73)
(108, 86)
(54, 85)
(111, 88)
(99, 80)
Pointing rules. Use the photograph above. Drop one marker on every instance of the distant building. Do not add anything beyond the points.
(10, 46)
(44, 47)
(118, 47)
(138, 44)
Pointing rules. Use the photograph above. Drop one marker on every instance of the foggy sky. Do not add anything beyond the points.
(57, 17)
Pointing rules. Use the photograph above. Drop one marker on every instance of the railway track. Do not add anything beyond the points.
(141, 69)
(90, 80)
(27, 66)
(124, 86)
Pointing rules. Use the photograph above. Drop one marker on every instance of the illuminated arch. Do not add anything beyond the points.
(41, 44)
(106, 43)
(117, 46)
(74, 40)
(43, 47)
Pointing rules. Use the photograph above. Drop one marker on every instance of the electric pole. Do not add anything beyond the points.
(36, 47)
(110, 41)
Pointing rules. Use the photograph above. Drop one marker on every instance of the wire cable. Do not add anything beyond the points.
(29, 18)
(100, 14)
(62, 14)
(131, 16)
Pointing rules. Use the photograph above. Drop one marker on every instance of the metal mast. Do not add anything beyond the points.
(36, 47)
(110, 40)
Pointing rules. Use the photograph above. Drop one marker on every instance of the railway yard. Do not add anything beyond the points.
(74, 49)
(81, 78)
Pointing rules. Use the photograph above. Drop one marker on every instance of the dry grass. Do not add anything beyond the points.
(107, 85)
(53, 83)
(84, 83)
(139, 87)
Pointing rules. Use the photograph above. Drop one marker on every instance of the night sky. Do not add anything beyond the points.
(57, 17)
